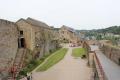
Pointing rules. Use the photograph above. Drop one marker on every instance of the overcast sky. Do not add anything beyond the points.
(78, 14)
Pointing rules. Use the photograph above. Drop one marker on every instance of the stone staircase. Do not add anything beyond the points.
(18, 63)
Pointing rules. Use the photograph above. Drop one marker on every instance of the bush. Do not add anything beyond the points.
(32, 65)
(23, 72)
(43, 58)
(83, 56)
(34, 62)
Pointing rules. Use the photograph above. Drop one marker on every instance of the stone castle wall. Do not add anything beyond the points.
(111, 52)
(8, 39)
(44, 40)
(38, 38)
(27, 33)
(8, 45)
(66, 34)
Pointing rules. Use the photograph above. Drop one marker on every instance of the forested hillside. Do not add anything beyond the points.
(112, 29)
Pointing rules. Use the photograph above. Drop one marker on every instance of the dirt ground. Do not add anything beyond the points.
(69, 68)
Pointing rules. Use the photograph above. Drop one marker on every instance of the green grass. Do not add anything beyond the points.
(78, 52)
(32, 65)
(58, 55)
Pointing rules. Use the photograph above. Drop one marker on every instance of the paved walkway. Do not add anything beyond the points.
(111, 69)
(67, 69)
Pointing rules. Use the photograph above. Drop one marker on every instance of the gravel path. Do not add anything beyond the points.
(67, 69)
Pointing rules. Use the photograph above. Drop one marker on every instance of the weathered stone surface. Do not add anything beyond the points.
(27, 33)
(111, 52)
(67, 34)
(8, 45)
(8, 39)
(35, 37)
(39, 37)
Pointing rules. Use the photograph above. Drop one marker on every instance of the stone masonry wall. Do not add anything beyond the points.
(8, 39)
(111, 52)
(86, 46)
(8, 43)
(44, 40)
(38, 38)
(27, 33)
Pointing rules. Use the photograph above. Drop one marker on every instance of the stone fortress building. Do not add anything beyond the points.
(67, 34)
(26, 39)
(36, 35)
(21, 38)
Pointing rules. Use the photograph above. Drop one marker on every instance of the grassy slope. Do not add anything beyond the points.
(58, 55)
(78, 52)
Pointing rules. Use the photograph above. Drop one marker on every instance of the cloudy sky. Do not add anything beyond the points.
(78, 14)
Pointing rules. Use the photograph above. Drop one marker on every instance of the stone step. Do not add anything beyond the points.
(18, 59)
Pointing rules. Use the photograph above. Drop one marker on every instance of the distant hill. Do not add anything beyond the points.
(97, 32)
(112, 29)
